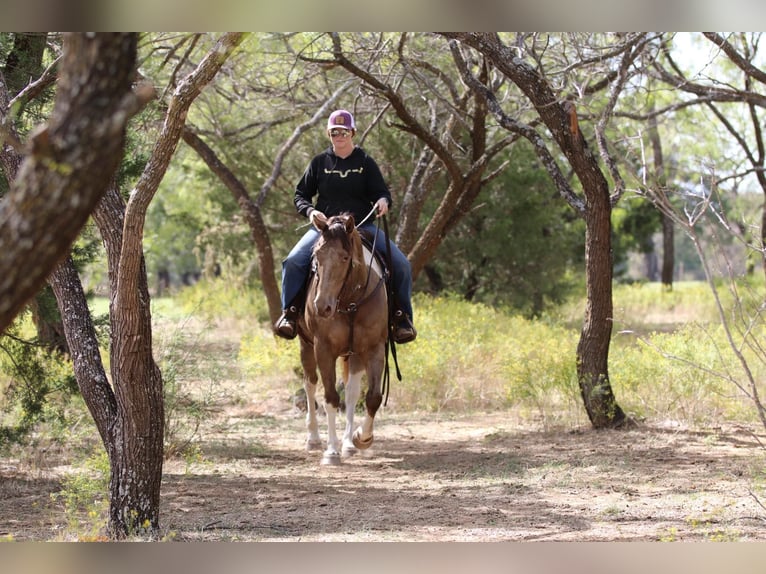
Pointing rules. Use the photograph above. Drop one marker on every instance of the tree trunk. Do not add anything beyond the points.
(660, 180)
(668, 251)
(23, 65)
(595, 337)
(137, 433)
(80, 150)
(83, 344)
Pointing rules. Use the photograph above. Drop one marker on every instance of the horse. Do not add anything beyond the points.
(345, 317)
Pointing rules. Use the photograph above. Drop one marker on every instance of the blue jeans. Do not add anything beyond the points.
(297, 264)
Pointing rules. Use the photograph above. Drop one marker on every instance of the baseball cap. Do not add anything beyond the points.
(341, 119)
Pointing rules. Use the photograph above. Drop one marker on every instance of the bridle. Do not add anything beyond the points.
(353, 307)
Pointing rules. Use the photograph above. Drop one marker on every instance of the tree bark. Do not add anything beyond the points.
(23, 65)
(138, 432)
(668, 251)
(83, 346)
(668, 245)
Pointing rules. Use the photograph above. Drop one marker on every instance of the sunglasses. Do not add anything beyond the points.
(339, 133)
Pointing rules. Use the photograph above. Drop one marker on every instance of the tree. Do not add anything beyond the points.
(25, 61)
(560, 118)
(135, 426)
(451, 128)
(252, 208)
(129, 413)
(715, 92)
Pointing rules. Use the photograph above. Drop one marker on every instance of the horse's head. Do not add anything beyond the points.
(334, 255)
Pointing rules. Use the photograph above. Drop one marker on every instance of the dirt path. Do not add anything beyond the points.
(476, 478)
(479, 477)
(473, 478)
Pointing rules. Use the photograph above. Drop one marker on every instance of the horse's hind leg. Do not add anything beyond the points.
(313, 442)
(363, 436)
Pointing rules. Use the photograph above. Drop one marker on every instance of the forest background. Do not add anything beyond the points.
(532, 174)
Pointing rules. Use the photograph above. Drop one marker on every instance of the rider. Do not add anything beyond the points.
(344, 179)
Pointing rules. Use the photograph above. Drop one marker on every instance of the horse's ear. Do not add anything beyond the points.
(350, 224)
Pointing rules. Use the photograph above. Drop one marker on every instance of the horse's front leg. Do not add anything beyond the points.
(313, 442)
(326, 363)
(353, 390)
(363, 436)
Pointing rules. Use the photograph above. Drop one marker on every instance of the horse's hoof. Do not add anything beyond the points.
(313, 444)
(331, 459)
(360, 443)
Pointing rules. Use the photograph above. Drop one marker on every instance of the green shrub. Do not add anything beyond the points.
(470, 356)
(691, 375)
(220, 298)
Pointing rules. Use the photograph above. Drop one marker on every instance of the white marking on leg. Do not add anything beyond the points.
(313, 442)
(367, 428)
(353, 390)
(332, 436)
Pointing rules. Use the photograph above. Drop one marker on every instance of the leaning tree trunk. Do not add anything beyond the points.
(69, 164)
(252, 213)
(83, 345)
(138, 433)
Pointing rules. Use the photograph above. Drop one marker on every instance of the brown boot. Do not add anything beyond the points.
(286, 326)
(404, 331)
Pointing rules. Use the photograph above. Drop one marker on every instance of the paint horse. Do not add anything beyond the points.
(345, 317)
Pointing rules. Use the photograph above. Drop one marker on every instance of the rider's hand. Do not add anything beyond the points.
(382, 206)
(317, 215)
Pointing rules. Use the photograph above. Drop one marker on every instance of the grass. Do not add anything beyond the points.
(669, 359)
